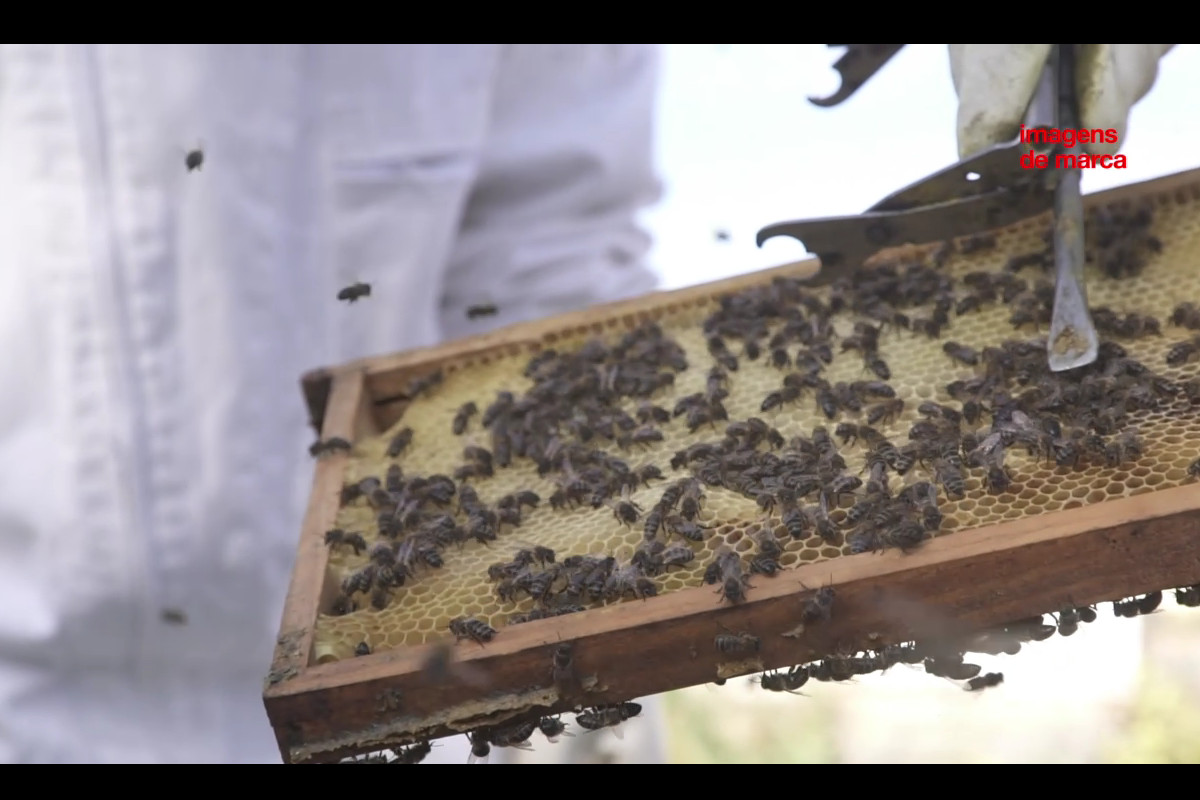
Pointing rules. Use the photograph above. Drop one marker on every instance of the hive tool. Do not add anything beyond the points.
(985, 191)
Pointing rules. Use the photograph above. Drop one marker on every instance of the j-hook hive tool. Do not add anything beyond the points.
(988, 190)
(856, 66)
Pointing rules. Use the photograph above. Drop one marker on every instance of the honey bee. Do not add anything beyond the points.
(1186, 315)
(951, 478)
(625, 510)
(330, 445)
(737, 644)
(677, 555)
(480, 749)
(1194, 469)
(338, 536)
(686, 528)
(471, 628)
(961, 353)
(885, 412)
(977, 243)
(1183, 352)
(412, 755)
(819, 607)
(562, 670)
(362, 649)
(463, 416)
(788, 681)
(729, 574)
(985, 681)
(952, 667)
(691, 499)
(400, 442)
(1126, 446)
(931, 409)
(998, 479)
(607, 716)
(877, 365)
(643, 436)
(552, 728)
(483, 310)
(194, 160)
(1188, 597)
(354, 292)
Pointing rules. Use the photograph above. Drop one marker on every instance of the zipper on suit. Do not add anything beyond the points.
(129, 403)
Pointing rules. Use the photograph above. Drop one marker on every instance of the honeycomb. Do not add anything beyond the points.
(421, 610)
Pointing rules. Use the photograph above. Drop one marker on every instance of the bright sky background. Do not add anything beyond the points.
(740, 146)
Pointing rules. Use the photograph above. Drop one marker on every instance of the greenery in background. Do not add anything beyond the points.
(1164, 724)
(777, 729)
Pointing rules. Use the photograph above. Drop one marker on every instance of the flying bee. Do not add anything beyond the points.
(482, 310)
(400, 442)
(463, 416)
(471, 628)
(354, 292)
(885, 412)
(194, 160)
(986, 681)
(737, 644)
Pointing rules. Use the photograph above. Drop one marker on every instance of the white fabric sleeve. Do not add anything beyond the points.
(550, 225)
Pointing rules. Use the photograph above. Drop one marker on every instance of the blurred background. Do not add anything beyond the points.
(740, 147)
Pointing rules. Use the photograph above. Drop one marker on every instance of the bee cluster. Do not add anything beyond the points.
(775, 426)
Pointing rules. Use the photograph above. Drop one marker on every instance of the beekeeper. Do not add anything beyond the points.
(156, 320)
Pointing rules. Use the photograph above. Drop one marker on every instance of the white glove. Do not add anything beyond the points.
(995, 83)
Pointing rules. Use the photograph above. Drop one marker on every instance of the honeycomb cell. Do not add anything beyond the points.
(420, 610)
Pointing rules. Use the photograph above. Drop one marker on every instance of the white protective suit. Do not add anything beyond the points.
(155, 324)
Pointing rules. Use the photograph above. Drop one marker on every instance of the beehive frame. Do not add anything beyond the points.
(954, 584)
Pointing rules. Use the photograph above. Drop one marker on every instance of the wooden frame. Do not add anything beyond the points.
(955, 584)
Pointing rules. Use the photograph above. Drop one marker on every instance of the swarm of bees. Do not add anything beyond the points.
(591, 419)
